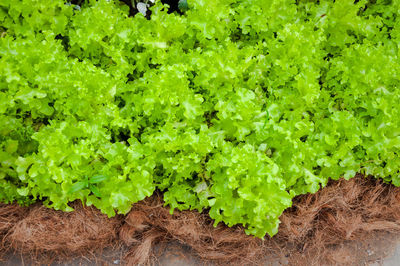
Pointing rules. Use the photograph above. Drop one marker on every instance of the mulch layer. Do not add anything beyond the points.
(334, 226)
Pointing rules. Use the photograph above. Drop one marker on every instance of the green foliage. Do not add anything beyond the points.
(236, 106)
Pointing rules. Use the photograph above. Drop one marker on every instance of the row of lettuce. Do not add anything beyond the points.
(234, 107)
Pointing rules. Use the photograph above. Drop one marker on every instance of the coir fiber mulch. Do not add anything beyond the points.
(330, 227)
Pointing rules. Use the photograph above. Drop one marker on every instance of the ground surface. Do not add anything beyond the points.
(176, 255)
(394, 259)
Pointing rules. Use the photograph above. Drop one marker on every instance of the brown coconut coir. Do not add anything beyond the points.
(333, 226)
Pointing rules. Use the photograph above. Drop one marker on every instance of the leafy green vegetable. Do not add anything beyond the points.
(183, 5)
(235, 106)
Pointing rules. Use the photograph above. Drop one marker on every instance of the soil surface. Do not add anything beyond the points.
(383, 250)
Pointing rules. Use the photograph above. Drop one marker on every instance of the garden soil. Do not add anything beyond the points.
(353, 222)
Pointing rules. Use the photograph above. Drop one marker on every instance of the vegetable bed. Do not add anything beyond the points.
(231, 108)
